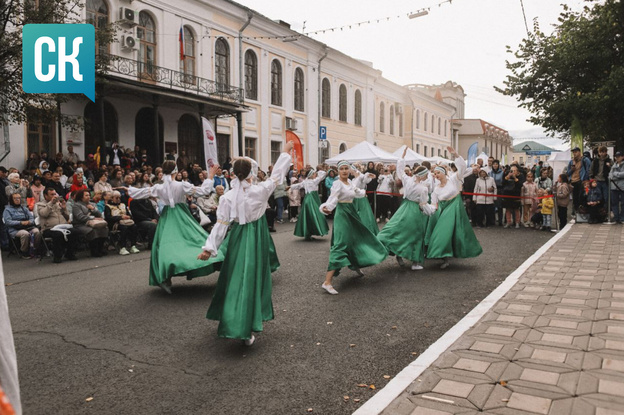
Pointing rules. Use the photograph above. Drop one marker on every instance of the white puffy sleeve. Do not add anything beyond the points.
(296, 186)
(460, 163)
(362, 180)
(332, 200)
(320, 176)
(219, 230)
(144, 192)
(280, 170)
(206, 188)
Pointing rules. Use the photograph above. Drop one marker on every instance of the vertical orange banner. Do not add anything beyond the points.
(297, 155)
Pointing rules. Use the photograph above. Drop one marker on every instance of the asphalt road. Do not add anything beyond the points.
(93, 338)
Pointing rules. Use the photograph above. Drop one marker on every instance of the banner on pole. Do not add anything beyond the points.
(297, 153)
(472, 153)
(210, 143)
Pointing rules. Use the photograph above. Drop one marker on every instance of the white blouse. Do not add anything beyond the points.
(255, 199)
(385, 183)
(412, 190)
(310, 185)
(453, 184)
(344, 193)
(172, 192)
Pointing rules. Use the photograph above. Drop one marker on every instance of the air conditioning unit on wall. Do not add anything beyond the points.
(128, 16)
(129, 42)
(291, 124)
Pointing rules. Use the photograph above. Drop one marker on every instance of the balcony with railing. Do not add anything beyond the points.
(175, 80)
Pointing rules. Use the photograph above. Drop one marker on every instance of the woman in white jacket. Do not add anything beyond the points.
(485, 185)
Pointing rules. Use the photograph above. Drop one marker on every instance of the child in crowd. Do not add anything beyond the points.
(548, 205)
(537, 219)
(595, 201)
(529, 201)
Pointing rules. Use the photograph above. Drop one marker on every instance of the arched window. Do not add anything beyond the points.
(251, 75)
(382, 117)
(432, 123)
(343, 148)
(425, 152)
(358, 107)
(401, 125)
(391, 119)
(189, 138)
(98, 135)
(445, 128)
(146, 31)
(187, 56)
(97, 15)
(326, 99)
(299, 90)
(432, 151)
(425, 123)
(325, 152)
(222, 64)
(342, 103)
(276, 83)
(418, 119)
(439, 126)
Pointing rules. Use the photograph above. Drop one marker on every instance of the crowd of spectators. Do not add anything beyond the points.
(67, 201)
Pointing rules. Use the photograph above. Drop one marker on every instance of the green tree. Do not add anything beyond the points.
(15, 104)
(577, 71)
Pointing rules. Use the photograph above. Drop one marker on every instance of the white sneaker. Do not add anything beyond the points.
(294, 219)
(134, 250)
(359, 272)
(445, 264)
(124, 251)
(526, 224)
(506, 226)
(416, 267)
(250, 341)
(400, 261)
(517, 226)
(166, 288)
(329, 289)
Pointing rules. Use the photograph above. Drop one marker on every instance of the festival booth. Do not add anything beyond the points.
(559, 161)
(411, 156)
(438, 160)
(363, 152)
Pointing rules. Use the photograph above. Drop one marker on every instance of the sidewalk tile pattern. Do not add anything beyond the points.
(553, 345)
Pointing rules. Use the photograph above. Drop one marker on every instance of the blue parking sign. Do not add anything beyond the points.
(322, 133)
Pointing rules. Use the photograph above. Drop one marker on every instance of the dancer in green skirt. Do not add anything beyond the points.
(242, 300)
(363, 207)
(404, 234)
(178, 233)
(449, 229)
(311, 221)
(353, 245)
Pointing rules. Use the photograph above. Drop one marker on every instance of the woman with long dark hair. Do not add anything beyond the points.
(178, 234)
(242, 300)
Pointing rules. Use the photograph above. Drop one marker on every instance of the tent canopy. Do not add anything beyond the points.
(410, 157)
(559, 161)
(363, 152)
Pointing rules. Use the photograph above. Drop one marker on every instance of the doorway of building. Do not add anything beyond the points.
(190, 139)
(145, 135)
(223, 147)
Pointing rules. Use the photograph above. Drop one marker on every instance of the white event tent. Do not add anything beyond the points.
(363, 152)
(558, 161)
(411, 156)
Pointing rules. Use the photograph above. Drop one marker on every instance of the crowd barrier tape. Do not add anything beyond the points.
(473, 194)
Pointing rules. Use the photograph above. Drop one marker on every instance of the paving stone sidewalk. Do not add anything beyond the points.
(554, 344)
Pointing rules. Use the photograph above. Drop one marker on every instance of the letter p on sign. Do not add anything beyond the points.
(59, 58)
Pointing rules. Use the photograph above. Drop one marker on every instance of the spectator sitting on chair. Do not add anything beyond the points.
(83, 220)
(119, 218)
(20, 223)
(145, 217)
(209, 204)
(52, 211)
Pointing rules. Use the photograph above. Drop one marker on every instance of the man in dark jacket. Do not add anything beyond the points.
(469, 185)
(600, 168)
(578, 172)
(145, 217)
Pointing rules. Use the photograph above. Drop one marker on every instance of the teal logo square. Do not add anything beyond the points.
(59, 58)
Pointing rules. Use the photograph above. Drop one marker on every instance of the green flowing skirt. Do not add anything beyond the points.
(311, 221)
(450, 234)
(366, 214)
(404, 234)
(242, 299)
(353, 245)
(177, 242)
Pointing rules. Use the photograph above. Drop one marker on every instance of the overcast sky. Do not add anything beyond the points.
(464, 42)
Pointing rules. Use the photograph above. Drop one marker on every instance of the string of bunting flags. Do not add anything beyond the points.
(416, 13)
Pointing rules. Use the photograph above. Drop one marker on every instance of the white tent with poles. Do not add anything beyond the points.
(364, 152)
(559, 161)
(411, 156)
